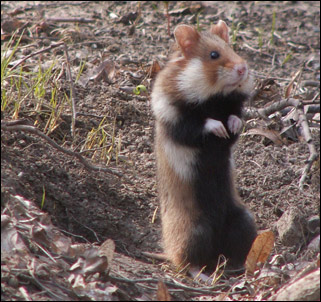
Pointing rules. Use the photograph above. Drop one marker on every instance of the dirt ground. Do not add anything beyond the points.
(97, 206)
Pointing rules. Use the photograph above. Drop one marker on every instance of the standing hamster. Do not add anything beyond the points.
(197, 101)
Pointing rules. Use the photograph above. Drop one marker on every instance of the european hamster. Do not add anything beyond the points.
(197, 102)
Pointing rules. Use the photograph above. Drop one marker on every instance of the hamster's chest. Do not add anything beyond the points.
(218, 106)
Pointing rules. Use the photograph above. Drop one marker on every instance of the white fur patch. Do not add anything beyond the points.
(181, 159)
(162, 108)
(192, 81)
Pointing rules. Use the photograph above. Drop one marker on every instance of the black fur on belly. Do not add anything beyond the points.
(224, 226)
(188, 130)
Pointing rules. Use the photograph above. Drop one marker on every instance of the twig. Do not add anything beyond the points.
(159, 256)
(74, 235)
(175, 284)
(45, 252)
(277, 106)
(79, 20)
(50, 5)
(91, 115)
(92, 150)
(308, 138)
(72, 93)
(31, 272)
(266, 111)
(302, 123)
(36, 282)
(24, 293)
(310, 83)
(36, 53)
(7, 126)
(88, 228)
(168, 18)
(257, 50)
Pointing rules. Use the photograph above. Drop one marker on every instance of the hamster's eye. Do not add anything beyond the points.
(214, 55)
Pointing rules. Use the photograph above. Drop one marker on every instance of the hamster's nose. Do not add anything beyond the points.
(241, 69)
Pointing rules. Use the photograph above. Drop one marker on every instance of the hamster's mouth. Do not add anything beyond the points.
(237, 83)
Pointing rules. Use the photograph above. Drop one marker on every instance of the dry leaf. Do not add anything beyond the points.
(272, 135)
(90, 263)
(77, 265)
(107, 249)
(10, 238)
(291, 84)
(162, 292)
(154, 69)
(105, 71)
(15, 12)
(76, 250)
(260, 250)
(40, 234)
(95, 265)
(10, 26)
(289, 89)
(60, 244)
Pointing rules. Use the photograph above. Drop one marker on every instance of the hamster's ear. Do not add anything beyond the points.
(221, 30)
(187, 38)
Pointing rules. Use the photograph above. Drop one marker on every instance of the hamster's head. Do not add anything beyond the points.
(208, 65)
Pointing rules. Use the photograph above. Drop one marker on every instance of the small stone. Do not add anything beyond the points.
(314, 224)
(314, 245)
(289, 227)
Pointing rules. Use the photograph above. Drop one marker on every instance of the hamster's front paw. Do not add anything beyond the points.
(215, 127)
(234, 124)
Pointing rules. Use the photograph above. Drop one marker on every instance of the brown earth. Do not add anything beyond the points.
(100, 206)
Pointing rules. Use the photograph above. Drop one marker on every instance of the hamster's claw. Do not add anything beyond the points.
(216, 127)
(234, 124)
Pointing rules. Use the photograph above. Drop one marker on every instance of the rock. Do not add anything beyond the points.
(303, 289)
(314, 224)
(314, 245)
(290, 227)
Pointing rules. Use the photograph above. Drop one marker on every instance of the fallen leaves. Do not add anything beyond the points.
(105, 71)
(260, 251)
(272, 135)
(154, 69)
(34, 251)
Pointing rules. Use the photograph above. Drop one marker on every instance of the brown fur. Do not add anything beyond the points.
(167, 77)
(177, 205)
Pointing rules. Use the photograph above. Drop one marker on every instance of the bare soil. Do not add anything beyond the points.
(100, 206)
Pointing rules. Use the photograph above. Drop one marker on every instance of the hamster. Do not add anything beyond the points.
(197, 101)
